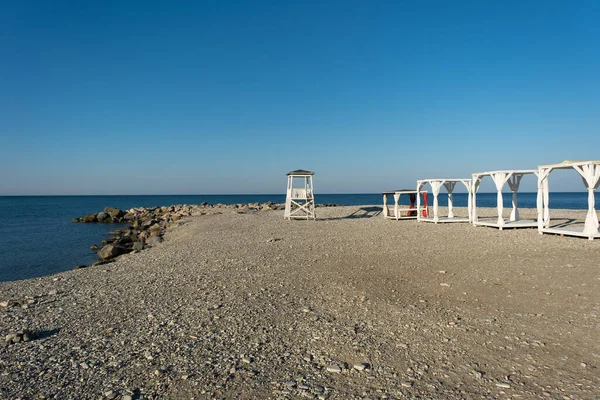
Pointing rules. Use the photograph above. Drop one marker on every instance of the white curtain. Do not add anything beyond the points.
(476, 181)
(500, 179)
(590, 174)
(514, 182)
(450, 187)
(435, 190)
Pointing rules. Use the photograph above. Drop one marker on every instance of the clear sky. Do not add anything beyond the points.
(123, 97)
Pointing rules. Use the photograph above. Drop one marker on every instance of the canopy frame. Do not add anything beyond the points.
(449, 184)
(590, 175)
(500, 178)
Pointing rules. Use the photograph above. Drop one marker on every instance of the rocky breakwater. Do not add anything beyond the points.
(147, 226)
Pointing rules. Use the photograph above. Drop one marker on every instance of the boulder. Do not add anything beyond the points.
(129, 216)
(154, 240)
(111, 251)
(103, 217)
(113, 212)
(89, 218)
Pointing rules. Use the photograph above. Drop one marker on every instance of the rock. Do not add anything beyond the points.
(247, 360)
(406, 384)
(113, 212)
(334, 369)
(103, 217)
(89, 218)
(4, 303)
(94, 247)
(80, 266)
(75, 219)
(359, 367)
(53, 292)
(126, 397)
(111, 251)
(154, 240)
(138, 245)
(503, 385)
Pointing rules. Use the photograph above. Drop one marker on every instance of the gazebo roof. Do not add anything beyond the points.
(300, 172)
(571, 163)
(508, 171)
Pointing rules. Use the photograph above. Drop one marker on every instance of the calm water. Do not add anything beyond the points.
(38, 237)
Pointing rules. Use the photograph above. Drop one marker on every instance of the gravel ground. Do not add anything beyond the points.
(351, 306)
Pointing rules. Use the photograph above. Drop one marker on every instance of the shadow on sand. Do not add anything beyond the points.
(362, 212)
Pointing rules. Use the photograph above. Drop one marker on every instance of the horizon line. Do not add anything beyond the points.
(243, 194)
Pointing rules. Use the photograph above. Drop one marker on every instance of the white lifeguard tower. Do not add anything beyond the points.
(300, 201)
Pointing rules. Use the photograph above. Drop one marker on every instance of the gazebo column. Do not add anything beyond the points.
(539, 199)
(450, 187)
(396, 200)
(500, 179)
(474, 189)
(435, 189)
(467, 184)
(419, 186)
(590, 174)
(514, 182)
(385, 209)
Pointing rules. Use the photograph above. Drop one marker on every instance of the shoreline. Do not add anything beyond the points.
(247, 305)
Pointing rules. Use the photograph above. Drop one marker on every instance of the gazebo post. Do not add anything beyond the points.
(435, 189)
(449, 188)
(467, 184)
(419, 186)
(475, 188)
(500, 179)
(590, 174)
(514, 182)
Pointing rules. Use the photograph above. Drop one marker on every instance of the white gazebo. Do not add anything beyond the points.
(300, 201)
(590, 174)
(449, 184)
(399, 211)
(513, 177)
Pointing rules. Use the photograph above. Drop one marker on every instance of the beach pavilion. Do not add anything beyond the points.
(449, 185)
(590, 174)
(500, 178)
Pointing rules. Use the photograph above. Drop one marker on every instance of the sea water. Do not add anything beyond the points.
(37, 236)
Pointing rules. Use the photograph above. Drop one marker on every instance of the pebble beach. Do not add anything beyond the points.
(240, 304)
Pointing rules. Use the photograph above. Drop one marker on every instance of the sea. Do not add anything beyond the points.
(37, 237)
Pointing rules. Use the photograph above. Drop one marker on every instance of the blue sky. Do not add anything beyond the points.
(226, 97)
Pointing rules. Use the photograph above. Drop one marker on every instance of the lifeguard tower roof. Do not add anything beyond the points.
(300, 172)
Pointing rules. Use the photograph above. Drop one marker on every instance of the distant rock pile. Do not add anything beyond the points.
(146, 226)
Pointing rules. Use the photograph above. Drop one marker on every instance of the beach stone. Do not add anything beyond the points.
(359, 367)
(334, 369)
(154, 240)
(52, 292)
(138, 245)
(503, 385)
